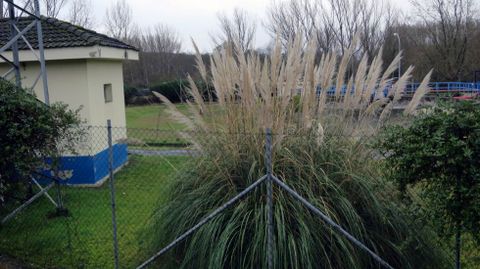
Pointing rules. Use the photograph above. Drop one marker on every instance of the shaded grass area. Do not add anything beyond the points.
(84, 239)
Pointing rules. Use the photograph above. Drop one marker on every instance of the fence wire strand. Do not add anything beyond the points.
(144, 162)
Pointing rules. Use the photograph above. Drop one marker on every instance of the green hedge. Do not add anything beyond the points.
(174, 90)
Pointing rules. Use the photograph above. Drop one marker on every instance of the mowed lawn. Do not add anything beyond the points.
(151, 127)
(84, 239)
(153, 117)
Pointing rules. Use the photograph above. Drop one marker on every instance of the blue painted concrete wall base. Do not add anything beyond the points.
(89, 170)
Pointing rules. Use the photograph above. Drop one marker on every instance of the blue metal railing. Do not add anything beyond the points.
(435, 87)
(447, 87)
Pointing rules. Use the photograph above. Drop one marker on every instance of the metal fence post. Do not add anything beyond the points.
(268, 165)
(112, 193)
(60, 208)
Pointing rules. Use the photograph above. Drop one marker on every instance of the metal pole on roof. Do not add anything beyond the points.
(41, 52)
(13, 33)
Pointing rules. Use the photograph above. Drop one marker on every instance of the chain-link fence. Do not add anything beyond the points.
(81, 235)
(89, 221)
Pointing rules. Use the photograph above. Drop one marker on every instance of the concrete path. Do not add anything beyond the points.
(172, 152)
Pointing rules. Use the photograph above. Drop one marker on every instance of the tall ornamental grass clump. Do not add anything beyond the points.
(319, 149)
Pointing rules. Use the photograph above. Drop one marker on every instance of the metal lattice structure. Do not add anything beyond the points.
(11, 47)
(14, 73)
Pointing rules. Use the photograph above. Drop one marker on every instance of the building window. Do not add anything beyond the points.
(107, 93)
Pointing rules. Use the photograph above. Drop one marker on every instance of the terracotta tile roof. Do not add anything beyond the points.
(59, 34)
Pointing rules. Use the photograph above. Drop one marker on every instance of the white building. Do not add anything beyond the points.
(84, 69)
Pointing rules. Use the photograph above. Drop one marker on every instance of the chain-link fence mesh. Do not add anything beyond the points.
(81, 236)
(72, 227)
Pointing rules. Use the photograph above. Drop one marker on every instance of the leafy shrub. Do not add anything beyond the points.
(137, 96)
(439, 154)
(173, 90)
(31, 131)
(129, 92)
(320, 149)
(177, 90)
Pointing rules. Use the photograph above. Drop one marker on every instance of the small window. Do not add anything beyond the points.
(107, 93)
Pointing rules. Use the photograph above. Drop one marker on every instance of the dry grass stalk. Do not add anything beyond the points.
(419, 93)
(320, 156)
(255, 93)
(199, 61)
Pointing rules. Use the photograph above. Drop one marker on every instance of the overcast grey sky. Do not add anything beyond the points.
(196, 18)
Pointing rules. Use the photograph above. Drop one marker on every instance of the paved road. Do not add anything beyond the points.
(173, 152)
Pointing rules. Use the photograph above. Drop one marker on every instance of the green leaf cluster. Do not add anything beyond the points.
(438, 154)
(30, 132)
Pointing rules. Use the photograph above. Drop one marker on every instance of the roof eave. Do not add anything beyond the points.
(72, 53)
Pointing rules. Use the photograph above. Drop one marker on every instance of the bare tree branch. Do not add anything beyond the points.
(118, 20)
(81, 14)
(240, 29)
(158, 46)
(289, 19)
(333, 23)
(447, 27)
(162, 39)
(49, 8)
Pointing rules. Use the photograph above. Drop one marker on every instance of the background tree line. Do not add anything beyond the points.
(439, 34)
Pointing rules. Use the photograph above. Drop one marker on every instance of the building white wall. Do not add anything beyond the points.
(67, 81)
(80, 83)
(99, 73)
